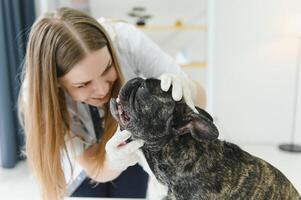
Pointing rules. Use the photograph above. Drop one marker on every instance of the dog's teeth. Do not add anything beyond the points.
(117, 100)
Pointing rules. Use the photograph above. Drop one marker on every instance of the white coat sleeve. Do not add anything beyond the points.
(148, 59)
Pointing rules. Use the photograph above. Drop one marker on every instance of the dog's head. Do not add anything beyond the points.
(152, 115)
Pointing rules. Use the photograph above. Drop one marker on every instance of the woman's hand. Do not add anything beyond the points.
(119, 154)
(181, 87)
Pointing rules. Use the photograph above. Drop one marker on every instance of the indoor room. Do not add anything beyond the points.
(139, 99)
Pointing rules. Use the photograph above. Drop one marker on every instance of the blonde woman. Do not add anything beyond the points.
(73, 65)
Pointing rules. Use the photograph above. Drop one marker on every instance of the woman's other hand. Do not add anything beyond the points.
(119, 154)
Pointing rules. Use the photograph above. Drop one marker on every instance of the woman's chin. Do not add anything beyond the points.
(98, 102)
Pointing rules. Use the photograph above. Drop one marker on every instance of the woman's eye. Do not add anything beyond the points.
(83, 86)
(107, 69)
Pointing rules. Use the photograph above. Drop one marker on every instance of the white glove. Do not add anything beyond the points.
(181, 87)
(119, 154)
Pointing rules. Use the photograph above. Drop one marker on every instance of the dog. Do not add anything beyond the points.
(183, 150)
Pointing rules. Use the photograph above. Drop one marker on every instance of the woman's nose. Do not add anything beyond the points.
(101, 87)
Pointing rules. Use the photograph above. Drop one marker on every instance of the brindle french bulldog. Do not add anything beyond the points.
(182, 149)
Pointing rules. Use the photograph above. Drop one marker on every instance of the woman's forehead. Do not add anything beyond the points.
(89, 67)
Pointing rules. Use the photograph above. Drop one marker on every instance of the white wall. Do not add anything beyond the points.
(162, 11)
(254, 70)
(192, 43)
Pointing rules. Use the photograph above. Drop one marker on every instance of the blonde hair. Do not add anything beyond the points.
(57, 41)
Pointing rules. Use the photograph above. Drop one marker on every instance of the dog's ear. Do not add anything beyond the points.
(200, 126)
(204, 113)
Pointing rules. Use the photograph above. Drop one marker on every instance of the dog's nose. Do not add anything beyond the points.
(135, 81)
(152, 84)
(129, 87)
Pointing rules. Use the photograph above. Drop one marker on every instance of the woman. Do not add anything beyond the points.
(73, 66)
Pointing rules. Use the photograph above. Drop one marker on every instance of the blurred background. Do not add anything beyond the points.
(246, 54)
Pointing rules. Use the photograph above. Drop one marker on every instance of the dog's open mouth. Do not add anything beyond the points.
(122, 114)
(119, 113)
(123, 107)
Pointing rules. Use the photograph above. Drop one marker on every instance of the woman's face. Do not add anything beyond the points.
(91, 80)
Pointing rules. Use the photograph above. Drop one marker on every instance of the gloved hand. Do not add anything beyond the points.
(119, 154)
(181, 87)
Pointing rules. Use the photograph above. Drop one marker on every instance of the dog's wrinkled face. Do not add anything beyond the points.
(142, 107)
(151, 114)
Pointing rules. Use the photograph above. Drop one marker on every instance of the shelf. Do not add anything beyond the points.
(197, 64)
(173, 27)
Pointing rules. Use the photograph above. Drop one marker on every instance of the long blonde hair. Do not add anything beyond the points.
(57, 41)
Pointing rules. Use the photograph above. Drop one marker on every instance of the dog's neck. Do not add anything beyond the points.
(157, 145)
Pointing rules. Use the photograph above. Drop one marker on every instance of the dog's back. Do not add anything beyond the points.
(216, 170)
